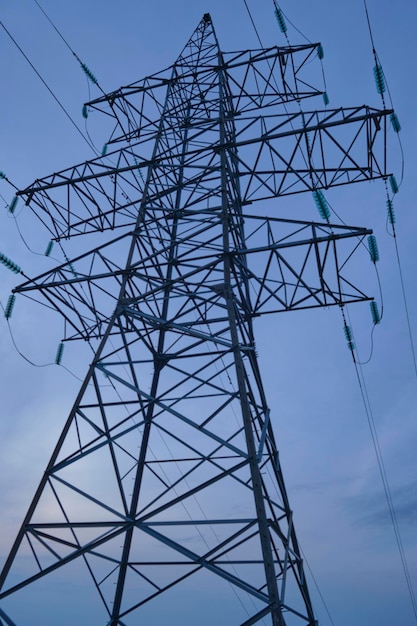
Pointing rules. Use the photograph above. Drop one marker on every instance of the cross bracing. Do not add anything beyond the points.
(290, 265)
(282, 155)
(167, 471)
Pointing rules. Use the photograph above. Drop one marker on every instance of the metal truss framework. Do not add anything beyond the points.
(166, 477)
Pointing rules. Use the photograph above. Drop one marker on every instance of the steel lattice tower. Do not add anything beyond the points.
(166, 478)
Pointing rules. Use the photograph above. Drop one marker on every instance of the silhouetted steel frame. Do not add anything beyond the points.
(57, 287)
(260, 443)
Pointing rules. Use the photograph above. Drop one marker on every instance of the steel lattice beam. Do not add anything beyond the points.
(171, 433)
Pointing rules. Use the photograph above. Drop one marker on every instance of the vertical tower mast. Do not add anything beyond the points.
(166, 478)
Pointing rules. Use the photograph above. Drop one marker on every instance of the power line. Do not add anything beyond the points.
(378, 64)
(404, 295)
(47, 86)
(391, 217)
(381, 466)
(261, 44)
(83, 65)
(253, 23)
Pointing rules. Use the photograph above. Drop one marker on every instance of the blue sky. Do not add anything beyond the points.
(320, 423)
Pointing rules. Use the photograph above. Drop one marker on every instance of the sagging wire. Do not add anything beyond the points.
(378, 453)
(8, 309)
(47, 253)
(11, 208)
(24, 240)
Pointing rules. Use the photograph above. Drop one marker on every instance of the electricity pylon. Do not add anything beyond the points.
(165, 485)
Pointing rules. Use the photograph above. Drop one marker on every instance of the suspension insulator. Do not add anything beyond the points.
(395, 122)
(320, 51)
(59, 353)
(321, 204)
(349, 337)
(280, 19)
(376, 318)
(2, 175)
(104, 150)
(49, 248)
(373, 248)
(72, 270)
(11, 265)
(394, 184)
(13, 204)
(379, 79)
(85, 111)
(139, 170)
(325, 98)
(89, 73)
(391, 212)
(9, 306)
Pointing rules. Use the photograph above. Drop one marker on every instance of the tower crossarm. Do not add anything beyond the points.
(286, 154)
(276, 155)
(295, 265)
(258, 78)
(290, 264)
